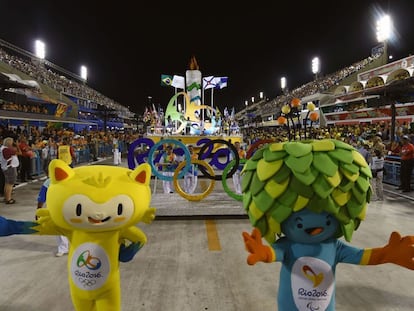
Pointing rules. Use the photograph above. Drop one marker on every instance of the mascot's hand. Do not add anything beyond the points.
(45, 223)
(149, 215)
(258, 251)
(126, 253)
(399, 250)
(10, 226)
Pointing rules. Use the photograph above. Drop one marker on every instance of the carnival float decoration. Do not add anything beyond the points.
(193, 116)
(302, 196)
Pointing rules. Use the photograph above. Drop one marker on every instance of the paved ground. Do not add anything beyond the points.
(198, 262)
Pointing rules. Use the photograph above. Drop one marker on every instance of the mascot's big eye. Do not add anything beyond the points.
(328, 221)
(300, 226)
(78, 209)
(119, 208)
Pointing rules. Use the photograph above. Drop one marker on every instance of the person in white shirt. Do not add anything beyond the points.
(377, 169)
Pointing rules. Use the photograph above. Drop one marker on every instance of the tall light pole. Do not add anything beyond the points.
(316, 65)
(384, 28)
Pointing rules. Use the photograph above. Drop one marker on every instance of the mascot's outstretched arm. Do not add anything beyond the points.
(258, 251)
(399, 251)
(10, 227)
(134, 238)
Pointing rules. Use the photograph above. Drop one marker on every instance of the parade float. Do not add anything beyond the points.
(186, 117)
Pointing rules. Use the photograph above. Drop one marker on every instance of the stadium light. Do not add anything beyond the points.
(315, 67)
(40, 49)
(283, 84)
(84, 73)
(246, 103)
(384, 28)
(261, 95)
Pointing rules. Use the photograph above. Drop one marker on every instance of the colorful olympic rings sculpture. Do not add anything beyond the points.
(171, 142)
(193, 197)
(201, 156)
(224, 177)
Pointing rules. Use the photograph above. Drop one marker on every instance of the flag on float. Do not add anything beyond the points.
(221, 82)
(209, 82)
(174, 81)
(166, 80)
(178, 82)
(226, 112)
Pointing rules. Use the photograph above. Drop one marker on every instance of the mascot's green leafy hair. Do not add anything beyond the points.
(286, 177)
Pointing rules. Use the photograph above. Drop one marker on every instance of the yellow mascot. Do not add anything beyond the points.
(97, 208)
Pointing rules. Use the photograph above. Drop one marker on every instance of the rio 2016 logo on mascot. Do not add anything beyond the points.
(302, 197)
(97, 208)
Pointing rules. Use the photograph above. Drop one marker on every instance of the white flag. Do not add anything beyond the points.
(178, 82)
(209, 82)
(220, 82)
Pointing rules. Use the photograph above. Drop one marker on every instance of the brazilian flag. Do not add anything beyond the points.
(166, 80)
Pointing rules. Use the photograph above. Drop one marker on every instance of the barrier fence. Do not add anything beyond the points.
(82, 154)
(392, 167)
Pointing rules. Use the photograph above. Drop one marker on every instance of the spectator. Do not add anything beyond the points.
(9, 163)
(25, 159)
(66, 152)
(377, 169)
(407, 159)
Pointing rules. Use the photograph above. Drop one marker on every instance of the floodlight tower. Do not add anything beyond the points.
(283, 84)
(40, 49)
(384, 28)
(316, 67)
(84, 73)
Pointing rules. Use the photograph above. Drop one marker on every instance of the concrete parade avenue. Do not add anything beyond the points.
(195, 259)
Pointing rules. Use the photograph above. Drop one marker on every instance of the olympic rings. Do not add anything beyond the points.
(226, 188)
(193, 197)
(139, 158)
(256, 145)
(218, 141)
(155, 148)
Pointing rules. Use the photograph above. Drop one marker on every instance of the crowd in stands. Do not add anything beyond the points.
(61, 83)
(30, 108)
(316, 86)
(92, 144)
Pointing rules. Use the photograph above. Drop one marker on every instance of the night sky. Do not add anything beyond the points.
(126, 49)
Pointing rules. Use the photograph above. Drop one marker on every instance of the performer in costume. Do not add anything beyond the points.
(302, 197)
(168, 164)
(190, 178)
(97, 208)
(236, 176)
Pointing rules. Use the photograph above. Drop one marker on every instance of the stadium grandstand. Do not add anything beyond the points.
(37, 92)
(365, 92)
